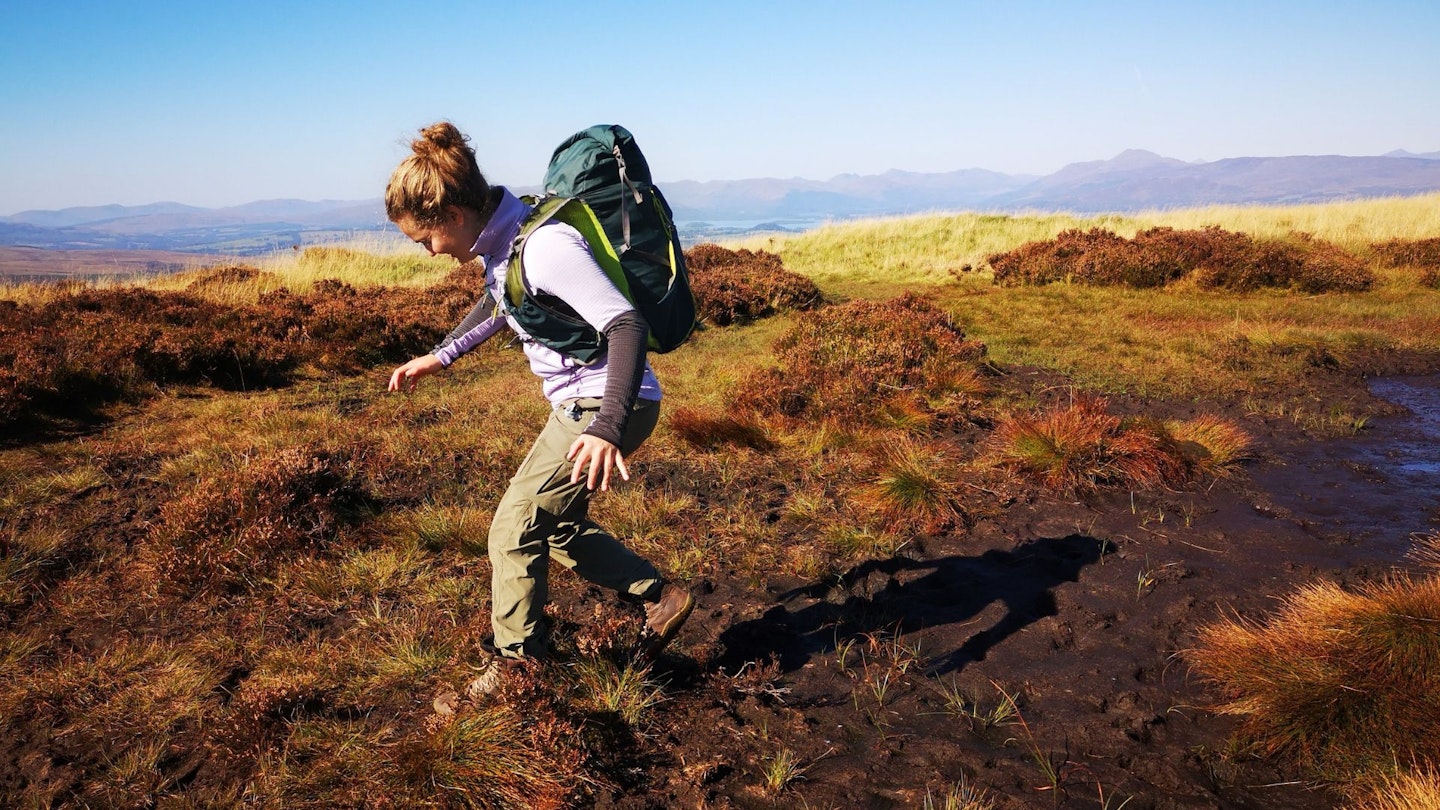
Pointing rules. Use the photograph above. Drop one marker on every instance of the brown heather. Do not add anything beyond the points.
(79, 351)
(1211, 256)
(1421, 254)
(734, 286)
(843, 363)
(228, 530)
(101, 345)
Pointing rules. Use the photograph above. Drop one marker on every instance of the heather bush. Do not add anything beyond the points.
(1301, 262)
(228, 529)
(347, 330)
(734, 286)
(96, 346)
(844, 362)
(1408, 252)
(1158, 256)
(1423, 254)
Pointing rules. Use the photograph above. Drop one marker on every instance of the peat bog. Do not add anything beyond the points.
(236, 573)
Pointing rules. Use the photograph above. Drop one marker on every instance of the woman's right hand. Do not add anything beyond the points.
(405, 377)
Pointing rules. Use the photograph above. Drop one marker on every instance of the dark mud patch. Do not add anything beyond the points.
(882, 683)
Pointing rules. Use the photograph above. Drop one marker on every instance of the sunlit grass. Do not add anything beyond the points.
(624, 691)
(1340, 682)
(885, 256)
(1406, 790)
(368, 260)
(1189, 342)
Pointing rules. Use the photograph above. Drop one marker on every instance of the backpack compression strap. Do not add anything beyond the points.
(625, 212)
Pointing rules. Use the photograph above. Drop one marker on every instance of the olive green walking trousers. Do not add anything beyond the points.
(543, 516)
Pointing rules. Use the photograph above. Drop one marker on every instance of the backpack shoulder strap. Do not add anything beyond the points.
(573, 212)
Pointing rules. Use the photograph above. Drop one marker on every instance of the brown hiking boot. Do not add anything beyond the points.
(663, 619)
(493, 669)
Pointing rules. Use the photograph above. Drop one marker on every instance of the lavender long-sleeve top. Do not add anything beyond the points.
(558, 261)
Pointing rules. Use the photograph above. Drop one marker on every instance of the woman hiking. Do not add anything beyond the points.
(601, 411)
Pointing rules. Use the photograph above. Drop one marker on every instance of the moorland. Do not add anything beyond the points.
(982, 511)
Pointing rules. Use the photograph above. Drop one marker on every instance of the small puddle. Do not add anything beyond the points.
(1413, 450)
(1374, 491)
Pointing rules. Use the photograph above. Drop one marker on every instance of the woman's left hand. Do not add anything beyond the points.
(598, 456)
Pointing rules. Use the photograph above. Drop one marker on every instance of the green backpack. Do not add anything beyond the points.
(599, 183)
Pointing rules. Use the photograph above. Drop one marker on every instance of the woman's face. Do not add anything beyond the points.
(454, 235)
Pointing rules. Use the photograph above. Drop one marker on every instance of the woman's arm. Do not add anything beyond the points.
(475, 329)
(453, 347)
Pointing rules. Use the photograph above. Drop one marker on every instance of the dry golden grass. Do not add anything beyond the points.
(1340, 682)
(1211, 444)
(1407, 790)
(1427, 550)
(915, 489)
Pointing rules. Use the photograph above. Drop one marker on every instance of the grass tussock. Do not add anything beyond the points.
(1080, 445)
(1210, 445)
(1426, 551)
(736, 286)
(1212, 257)
(490, 758)
(844, 362)
(915, 490)
(1340, 682)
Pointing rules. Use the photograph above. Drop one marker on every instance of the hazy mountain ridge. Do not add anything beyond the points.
(1134, 180)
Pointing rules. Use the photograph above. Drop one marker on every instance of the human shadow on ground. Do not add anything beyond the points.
(894, 596)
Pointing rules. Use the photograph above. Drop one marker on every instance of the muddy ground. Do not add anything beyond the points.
(886, 685)
(1077, 608)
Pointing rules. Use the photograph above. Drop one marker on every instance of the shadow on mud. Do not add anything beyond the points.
(905, 595)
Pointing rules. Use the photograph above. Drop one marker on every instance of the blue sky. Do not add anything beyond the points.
(220, 103)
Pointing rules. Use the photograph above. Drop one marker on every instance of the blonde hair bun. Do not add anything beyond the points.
(442, 136)
(441, 171)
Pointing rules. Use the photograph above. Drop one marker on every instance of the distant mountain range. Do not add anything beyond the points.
(1134, 180)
